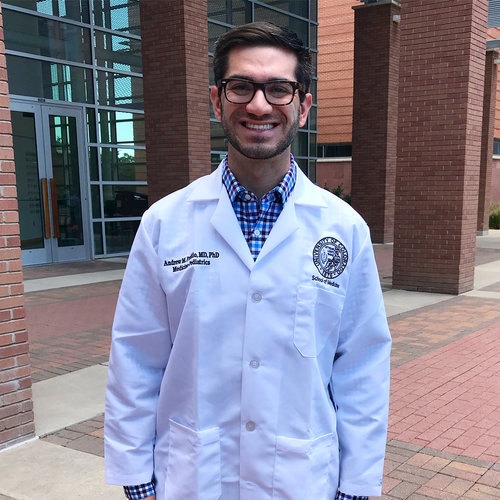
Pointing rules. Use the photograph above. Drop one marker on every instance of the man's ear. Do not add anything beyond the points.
(216, 102)
(305, 106)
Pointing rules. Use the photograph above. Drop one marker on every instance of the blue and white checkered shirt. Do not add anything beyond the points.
(256, 218)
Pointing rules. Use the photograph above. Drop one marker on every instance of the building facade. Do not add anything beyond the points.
(77, 108)
(77, 115)
(335, 93)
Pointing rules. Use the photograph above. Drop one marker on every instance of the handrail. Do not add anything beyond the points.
(46, 211)
(55, 210)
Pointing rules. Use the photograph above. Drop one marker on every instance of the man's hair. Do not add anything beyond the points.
(262, 35)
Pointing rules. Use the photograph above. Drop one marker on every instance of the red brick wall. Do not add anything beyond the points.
(495, 182)
(16, 407)
(176, 104)
(335, 69)
(440, 120)
(490, 87)
(331, 174)
(375, 116)
(494, 34)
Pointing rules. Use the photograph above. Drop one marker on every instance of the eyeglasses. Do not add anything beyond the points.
(276, 92)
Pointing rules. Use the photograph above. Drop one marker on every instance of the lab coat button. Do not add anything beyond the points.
(256, 297)
(250, 426)
(254, 363)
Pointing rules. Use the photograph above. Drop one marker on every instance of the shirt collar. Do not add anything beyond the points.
(282, 190)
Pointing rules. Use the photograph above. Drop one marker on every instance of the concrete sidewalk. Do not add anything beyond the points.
(444, 432)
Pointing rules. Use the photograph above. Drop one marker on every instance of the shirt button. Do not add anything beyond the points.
(256, 297)
(248, 197)
(256, 232)
(250, 426)
(254, 363)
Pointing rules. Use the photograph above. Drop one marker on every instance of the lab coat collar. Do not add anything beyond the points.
(213, 189)
(303, 194)
(226, 224)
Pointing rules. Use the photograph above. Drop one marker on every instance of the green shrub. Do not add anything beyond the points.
(339, 191)
(495, 216)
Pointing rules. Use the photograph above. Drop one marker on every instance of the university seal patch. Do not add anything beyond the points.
(330, 257)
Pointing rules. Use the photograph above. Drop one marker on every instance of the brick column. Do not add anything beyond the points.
(375, 115)
(16, 407)
(176, 93)
(439, 138)
(488, 132)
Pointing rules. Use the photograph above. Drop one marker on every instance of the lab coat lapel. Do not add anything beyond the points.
(226, 224)
(224, 221)
(302, 197)
(285, 226)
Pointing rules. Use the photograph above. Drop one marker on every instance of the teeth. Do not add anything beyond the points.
(266, 126)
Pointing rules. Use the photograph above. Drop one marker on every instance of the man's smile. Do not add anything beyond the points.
(255, 126)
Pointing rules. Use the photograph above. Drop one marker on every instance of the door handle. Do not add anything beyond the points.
(55, 210)
(46, 212)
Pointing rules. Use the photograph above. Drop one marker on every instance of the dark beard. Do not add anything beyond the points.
(258, 151)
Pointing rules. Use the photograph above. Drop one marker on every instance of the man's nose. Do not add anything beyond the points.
(259, 105)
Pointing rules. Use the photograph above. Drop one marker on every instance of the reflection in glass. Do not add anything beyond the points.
(66, 172)
(314, 91)
(218, 137)
(78, 10)
(312, 170)
(297, 25)
(119, 90)
(302, 163)
(96, 201)
(300, 143)
(119, 15)
(313, 44)
(98, 242)
(46, 37)
(118, 52)
(216, 158)
(93, 164)
(119, 235)
(299, 7)
(314, 10)
(91, 127)
(230, 11)
(214, 32)
(118, 164)
(28, 183)
(118, 127)
(125, 201)
(312, 120)
(211, 76)
(49, 80)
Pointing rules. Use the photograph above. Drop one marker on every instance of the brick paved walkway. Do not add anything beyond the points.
(444, 428)
(418, 332)
(69, 327)
(418, 473)
(449, 399)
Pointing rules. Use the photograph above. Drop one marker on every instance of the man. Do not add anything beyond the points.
(250, 355)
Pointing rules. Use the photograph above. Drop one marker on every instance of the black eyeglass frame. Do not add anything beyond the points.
(296, 86)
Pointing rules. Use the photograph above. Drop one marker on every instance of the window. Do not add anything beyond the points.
(335, 150)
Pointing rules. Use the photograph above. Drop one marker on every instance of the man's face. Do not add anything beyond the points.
(260, 130)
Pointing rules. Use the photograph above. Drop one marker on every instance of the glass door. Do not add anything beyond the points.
(51, 183)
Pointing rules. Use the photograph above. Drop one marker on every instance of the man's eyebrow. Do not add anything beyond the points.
(250, 79)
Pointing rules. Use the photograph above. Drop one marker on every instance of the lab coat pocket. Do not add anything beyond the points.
(301, 470)
(317, 318)
(193, 465)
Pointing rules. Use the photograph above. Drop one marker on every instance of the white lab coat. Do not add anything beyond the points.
(240, 380)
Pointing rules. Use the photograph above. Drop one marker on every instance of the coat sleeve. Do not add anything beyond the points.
(139, 354)
(360, 376)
